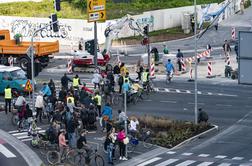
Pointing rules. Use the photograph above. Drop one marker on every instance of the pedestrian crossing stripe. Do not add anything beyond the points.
(23, 134)
(6, 152)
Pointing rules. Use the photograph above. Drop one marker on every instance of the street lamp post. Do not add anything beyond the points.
(125, 122)
(196, 65)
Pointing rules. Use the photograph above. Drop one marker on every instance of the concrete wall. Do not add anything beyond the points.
(71, 30)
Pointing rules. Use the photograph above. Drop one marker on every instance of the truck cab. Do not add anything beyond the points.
(15, 77)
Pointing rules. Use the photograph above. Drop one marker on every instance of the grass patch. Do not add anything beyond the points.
(76, 9)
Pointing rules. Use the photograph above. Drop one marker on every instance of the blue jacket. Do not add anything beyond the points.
(46, 91)
(107, 111)
(169, 67)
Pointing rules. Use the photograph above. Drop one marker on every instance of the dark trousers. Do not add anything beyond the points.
(120, 89)
(99, 110)
(39, 114)
(179, 64)
(7, 104)
(122, 148)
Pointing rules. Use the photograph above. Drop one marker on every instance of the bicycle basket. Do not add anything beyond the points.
(134, 141)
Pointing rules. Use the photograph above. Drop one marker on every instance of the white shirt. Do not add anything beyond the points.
(39, 102)
(96, 78)
(133, 125)
(20, 100)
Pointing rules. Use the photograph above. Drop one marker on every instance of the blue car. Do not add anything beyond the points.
(15, 77)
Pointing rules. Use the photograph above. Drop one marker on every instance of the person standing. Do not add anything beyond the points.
(7, 97)
(227, 49)
(242, 6)
(139, 70)
(39, 105)
(62, 142)
(71, 126)
(64, 81)
(76, 82)
(122, 147)
(96, 79)
(51, 86)
(179, 59)
(165, 50)
(98, 100)
(111, 138)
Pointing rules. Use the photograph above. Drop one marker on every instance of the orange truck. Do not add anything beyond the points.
(10, 47)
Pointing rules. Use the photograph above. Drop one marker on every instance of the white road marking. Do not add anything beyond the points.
(186, 154)
(171, 152)
(224, 105)
(199, 92)
(237, 158)
(224, 164)
(209, 93)
(205, 164)
(22, 131)
(168, 102)
(198, 103)
(185, 163)
(187, 91)
(167, 90)
(156, 89)
(6, 152)
(178, 91)
(220, 157)
(167, 162)
(150, 161)
(203, 155)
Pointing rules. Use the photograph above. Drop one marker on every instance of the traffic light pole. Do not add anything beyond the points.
(95, 44)
(32, 62)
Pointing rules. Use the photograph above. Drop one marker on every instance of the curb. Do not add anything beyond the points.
(160, 150)
(28, 155)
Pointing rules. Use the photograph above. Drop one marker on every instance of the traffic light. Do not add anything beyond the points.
(89, 46)
(146, 30)
(54, 20)
(57, 5)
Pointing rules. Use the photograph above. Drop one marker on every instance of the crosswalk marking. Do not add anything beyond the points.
(237, 158)
(150, 161)
(185, 163)
(23, 135)
(199, 92)
(187, 91)
(224, 164)
(220, 157)
(171, 152)
(187, 154)
(203, 155)
(167, 90)
(205, 163)
(167, 162)
(178, 91)
(6, 152)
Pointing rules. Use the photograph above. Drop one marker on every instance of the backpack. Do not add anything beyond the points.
(84, 114)
(91, 116)
(106, 88)
(120, 80)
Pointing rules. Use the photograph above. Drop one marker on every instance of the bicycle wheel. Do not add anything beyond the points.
(99, 161)
(53, 157)
(147, 142)
(14, 119)
(70, 156)
(79, 160)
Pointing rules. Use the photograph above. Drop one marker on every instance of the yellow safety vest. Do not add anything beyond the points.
(125, 78)
(76, 82)
(98, 97)
(7, 93)
(145, 76)
(70, 98)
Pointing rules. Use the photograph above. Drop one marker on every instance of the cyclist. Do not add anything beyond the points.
(83, 146)
(169, 69)
(46, 91)
(62, 143)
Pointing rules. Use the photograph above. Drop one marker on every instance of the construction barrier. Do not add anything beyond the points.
(228, 60)
(183, 65)
(201, 55)
(209, 70)
(233, 35)
(118, 60)
(10, 60)
(152, 71)
(70, 66)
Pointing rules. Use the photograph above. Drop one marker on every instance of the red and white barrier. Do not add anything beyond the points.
(228, 60)
(201, 55)
(118, 60)
(209, 70)
(152, 71)
(10, 60)
(233, 35)
(70, 66)
(183, 65)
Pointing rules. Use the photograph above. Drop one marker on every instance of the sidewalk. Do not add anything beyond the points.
(24, 151)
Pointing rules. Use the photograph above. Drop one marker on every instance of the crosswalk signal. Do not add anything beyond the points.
(146, 30)
(89, 46)
(54, 21)
(57, 5)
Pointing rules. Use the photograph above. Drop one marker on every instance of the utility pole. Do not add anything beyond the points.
(95, 44)
(125, 122)
(196, 65)
(146, 33)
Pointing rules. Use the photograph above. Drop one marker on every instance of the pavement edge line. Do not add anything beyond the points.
(28, 155)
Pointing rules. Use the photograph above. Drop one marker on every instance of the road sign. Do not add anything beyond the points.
(29, 51)
(97, 16)
(96, 5)
(28, 86)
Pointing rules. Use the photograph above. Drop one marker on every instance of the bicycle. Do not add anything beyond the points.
(14, 117)
(81, 157)
(145, 138)
(53, 157)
